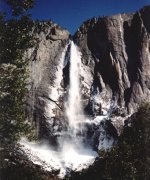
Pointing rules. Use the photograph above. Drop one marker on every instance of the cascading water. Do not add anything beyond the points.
(72, 151)
(70, 141)
(73, 106)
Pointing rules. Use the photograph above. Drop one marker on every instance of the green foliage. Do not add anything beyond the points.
(15, 38)
(130, 158)
(12, 92)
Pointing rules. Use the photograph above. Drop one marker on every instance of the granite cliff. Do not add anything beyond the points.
(115, 67)
(116, 49)
(114, 76)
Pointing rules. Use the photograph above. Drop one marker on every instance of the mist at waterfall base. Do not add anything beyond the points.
(73, 152)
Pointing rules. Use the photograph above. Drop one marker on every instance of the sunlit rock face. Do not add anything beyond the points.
(45, 82)
(81, 92)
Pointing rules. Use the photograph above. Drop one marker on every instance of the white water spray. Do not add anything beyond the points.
(71, 139)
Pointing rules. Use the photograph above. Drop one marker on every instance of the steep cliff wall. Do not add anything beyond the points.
(116, 49)
(44, 67)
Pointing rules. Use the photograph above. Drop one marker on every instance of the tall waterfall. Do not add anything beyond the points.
(74, 105)
(71, 138)
(73, 151)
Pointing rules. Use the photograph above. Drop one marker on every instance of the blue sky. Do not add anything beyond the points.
(71, 13)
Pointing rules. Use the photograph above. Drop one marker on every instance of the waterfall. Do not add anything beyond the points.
(74, 105)
(74, 135)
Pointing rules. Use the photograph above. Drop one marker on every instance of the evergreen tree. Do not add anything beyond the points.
(15, 38)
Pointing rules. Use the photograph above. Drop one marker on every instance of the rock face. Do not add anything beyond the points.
(44, 67)
(116, 50)
(115, 76)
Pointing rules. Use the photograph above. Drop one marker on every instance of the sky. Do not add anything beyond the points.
(70, 14)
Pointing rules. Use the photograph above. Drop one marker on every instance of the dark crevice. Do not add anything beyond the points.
(66, 69)
(100, 47)
(132, 39)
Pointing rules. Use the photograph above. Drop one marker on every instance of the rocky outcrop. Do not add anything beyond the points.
(116, 51)
(50, 41)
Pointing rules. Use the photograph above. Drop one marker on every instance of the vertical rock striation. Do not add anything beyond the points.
(116, 51)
